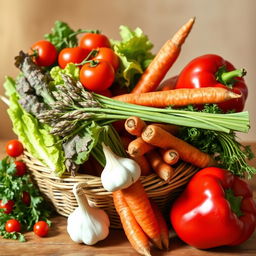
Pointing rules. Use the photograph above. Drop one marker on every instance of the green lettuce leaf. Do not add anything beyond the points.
(9, 86)
(134, 51)
(71, 69)
(35, 136)
(90, 135)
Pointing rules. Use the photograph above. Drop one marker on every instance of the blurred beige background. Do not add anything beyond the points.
(224, 27)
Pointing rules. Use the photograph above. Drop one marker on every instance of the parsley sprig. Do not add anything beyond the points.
(12, 188)
(227, 151)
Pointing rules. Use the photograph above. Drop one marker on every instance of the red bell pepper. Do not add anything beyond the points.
(211, 70)
(215, 209)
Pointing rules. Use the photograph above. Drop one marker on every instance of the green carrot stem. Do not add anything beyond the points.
(112, 109)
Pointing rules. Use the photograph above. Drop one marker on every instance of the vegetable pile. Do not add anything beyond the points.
(22, 208)
(81, 96)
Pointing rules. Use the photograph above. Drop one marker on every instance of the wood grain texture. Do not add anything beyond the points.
(58, 242)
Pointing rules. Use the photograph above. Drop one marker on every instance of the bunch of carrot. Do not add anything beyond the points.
(142, 220)
(156, 147)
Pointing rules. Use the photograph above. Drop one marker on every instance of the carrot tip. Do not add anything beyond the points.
(145, 252)
(233, 95)
(181, 35)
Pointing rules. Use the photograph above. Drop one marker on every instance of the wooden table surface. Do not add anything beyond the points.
(58, 242)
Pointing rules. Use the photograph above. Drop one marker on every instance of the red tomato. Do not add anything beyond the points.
(72, 55)
(98, 77)
(26, 198)
(20, 167)
(92, 41)
(14, 148)
(12, 225)
(41, 228)
(8, 206)
(46, 53)
(108, 55)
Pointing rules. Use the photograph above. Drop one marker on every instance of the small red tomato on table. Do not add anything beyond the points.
(13, 225)
(14, 148)
(8, 206)
(41, 228)
(20, 168)
(26, 199)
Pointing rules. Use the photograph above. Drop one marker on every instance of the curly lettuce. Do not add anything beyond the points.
(56, 73)
(34, 135)
(134, 51)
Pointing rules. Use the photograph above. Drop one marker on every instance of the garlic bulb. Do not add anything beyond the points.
(87, 224)
(119, 172)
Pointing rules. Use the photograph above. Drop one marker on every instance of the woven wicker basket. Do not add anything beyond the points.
(59, 190)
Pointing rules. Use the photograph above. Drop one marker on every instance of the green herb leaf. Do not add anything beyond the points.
(227, 151)
(13, 235)
(12, 188)
(62, 36)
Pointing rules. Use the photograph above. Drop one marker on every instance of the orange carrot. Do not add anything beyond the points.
(139, 203)
(138, 147)
(133, 231)
(134, 125)
(170, 156)
(162, 224)
(162, 169)
(159, 137)
(144, 165)
(179, 97)
(164, 59)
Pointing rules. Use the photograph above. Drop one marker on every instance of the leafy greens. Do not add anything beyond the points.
(34, 135)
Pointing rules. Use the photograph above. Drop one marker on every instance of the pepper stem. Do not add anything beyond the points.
(228, 77)
(234, 201)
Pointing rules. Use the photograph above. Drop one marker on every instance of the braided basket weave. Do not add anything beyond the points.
(59, 190)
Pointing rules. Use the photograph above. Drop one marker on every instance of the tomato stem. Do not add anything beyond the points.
(34, 53)
(87, 59)
(80, 31)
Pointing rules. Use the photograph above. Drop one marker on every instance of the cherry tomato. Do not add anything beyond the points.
(12, 225)
(92, 41)
(20, 168)
(97, 77)
(46, 53)
(26, 198)
(41, 228)
(72, 55)
(14, 148)
(8, 206)
(108, 55)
